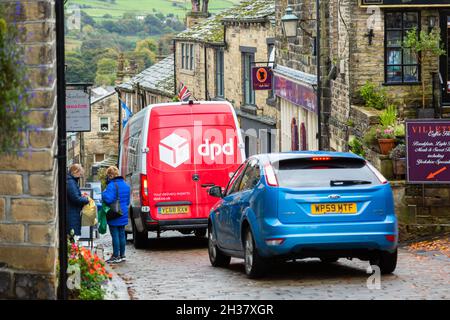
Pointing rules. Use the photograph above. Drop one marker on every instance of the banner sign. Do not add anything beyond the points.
(428, 151)
(405, 3)
(296, 93)
(78, 111)
(262, 78)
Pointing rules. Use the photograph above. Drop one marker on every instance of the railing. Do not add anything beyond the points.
(438, 89)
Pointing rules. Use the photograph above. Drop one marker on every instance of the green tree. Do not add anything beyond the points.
(426, 44)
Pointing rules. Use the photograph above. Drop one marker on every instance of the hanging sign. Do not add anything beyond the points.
(262, 78)
(78, 111)
(428, 151)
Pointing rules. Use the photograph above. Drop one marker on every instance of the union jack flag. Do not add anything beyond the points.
(184, 94)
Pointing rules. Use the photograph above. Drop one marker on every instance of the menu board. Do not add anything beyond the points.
(428, 151)
(78, 111)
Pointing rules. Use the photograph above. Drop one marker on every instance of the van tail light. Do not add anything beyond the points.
(380, 177)
(271, 179)
(144, 190)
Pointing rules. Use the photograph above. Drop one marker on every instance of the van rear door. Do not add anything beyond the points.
(170, 167)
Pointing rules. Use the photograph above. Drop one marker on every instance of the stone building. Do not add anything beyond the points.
(362, 41)
(28, 187)
(151, 86)
(296, 79)
(214, 59)
(102, 142)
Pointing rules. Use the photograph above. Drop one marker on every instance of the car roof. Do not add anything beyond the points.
(275, 157)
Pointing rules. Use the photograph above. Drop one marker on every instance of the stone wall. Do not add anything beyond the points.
(28, 187)
(253, 35)
(97, 142)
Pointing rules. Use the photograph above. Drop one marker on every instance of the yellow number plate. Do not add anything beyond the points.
(174, 210)
(324, 208)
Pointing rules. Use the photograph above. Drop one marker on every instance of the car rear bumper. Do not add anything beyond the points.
(305, 239)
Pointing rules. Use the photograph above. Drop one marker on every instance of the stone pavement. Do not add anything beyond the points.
(177, 267)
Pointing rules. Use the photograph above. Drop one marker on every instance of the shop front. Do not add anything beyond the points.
(298, 104)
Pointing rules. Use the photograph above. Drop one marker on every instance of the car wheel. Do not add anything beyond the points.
(140, 239)
(216, 257)
(255, 266)
(386, 261)
(200, 233)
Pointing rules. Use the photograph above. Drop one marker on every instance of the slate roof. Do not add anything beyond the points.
(211, 30)
(159, 78)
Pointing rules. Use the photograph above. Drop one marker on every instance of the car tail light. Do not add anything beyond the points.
(274, 242)
(271, 179)
(380, 177)
(321, 158)
(144, 190)
(390, 238)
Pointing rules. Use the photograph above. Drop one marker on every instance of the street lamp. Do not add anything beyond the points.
(289, 23)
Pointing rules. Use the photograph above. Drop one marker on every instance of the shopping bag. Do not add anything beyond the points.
(102, 222)
(89, 214)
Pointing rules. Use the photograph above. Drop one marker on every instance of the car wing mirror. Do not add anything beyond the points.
(215, 191)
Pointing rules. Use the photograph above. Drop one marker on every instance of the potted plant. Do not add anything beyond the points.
(386, 139)
(429, 45)
(398, 156)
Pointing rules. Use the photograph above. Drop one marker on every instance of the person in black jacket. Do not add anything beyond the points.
(75, 200)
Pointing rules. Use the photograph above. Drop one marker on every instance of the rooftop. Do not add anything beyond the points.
(211, 30)
(159, 78)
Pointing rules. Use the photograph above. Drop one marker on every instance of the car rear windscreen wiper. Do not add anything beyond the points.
(343, 183)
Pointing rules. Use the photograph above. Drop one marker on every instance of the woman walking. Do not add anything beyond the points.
(75, 200)
(117, 189)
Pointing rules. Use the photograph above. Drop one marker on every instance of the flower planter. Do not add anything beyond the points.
(399, 166)
(386, 145)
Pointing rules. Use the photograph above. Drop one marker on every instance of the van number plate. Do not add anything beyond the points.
(323, 208)
(173, 210)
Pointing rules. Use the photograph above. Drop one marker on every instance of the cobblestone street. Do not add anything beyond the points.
(177, 267)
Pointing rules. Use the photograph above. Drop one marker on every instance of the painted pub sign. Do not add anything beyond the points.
(262, 78)
(428, 151)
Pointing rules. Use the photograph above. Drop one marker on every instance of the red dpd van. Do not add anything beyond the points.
(171, 154)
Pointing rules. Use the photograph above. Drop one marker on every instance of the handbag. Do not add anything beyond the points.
(116, 211)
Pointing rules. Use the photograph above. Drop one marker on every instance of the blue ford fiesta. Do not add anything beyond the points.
(298, 205)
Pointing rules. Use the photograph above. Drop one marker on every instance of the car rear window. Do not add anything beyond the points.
(298, 173)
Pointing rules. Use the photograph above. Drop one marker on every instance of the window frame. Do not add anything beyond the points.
(220, 72)
(253, 164)
(187, 56)
(100, 124)
(98, 154)
(402, 65)
(247, 77)
(235, 178)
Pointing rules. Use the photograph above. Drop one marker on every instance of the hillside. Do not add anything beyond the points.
(116, 8)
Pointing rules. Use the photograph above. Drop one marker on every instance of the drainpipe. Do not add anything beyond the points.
(175, 68)
(206, 73)
(319, 82)
(62, 152)
(120, 126)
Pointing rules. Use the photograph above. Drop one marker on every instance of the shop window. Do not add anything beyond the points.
(401, 65)
(104, 124)
(294, 135)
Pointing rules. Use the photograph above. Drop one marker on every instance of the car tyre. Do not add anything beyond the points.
(216, 256)
(386, 261)
(255, 266)
(140, 239)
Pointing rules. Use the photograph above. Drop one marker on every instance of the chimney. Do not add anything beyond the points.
(197, 14)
